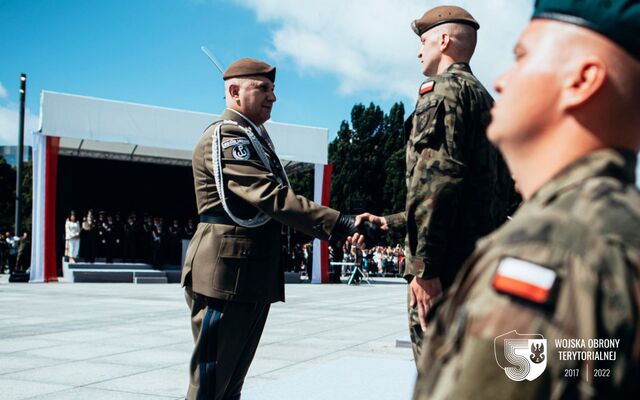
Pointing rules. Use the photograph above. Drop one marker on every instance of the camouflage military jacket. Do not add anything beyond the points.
(564, 270)
(455, 177)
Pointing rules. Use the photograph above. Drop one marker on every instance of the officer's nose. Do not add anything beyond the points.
(272, 97)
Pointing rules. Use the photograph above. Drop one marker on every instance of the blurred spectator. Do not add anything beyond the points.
(174, 245)
(88, 238)
(72, 237)
(12, 250)
(189, 230)
(23, 259)
(158, 245)
(130, 238)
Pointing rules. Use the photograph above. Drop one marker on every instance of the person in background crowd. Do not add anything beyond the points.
(101, 241)
(159, 245)
(4, 253)
(174, 245)
(109, 239)
(189, 230)
(118, 236)
(88, 237)
(23, 259)
(72, 237)
(130, 239)
(12, 250)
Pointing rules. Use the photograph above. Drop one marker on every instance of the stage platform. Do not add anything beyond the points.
(119, 272)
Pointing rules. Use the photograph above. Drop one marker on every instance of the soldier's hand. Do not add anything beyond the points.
(423, 293)
(359, 239)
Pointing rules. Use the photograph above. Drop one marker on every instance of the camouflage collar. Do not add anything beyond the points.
(619, 164)
(460, 67)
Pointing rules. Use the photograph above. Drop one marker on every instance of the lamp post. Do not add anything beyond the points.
(23, 90)
(16, 276)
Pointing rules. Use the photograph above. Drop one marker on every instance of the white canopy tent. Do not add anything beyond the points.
(87, 126)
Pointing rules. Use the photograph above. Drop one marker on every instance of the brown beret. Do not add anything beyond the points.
(250, 67)
(443, 15)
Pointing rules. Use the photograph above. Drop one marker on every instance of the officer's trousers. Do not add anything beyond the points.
(226, 336)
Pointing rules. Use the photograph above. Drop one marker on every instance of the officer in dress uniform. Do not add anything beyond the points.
(567, 267)
(232, 270)
(458, 186)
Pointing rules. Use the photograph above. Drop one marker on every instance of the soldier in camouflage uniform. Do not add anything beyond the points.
(567, 265)
(457, 182)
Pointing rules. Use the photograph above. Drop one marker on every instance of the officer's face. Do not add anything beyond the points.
(255, 98)
(429, 52)
(529, 91)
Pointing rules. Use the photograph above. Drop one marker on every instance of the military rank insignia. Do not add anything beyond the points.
(241, 152)
(426, 87)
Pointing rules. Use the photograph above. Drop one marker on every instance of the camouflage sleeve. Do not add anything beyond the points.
(435, 184)
(480, 343)
(396, 221)
(248, 179)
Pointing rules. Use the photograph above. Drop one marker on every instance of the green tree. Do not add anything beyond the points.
(368, 162)
(7, 195)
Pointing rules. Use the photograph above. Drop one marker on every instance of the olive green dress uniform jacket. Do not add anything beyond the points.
(583, 229)
(458, 186)
(243, 264)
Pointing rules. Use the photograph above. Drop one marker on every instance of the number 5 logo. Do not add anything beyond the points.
(521, 356)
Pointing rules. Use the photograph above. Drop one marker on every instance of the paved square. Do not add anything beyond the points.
(130, 342)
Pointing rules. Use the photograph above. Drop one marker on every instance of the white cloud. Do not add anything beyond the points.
(3, 91)
(368, 44)
(9, 118)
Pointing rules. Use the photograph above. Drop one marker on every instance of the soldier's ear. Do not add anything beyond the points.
(583, 81)
(445, 39)
(234, 91)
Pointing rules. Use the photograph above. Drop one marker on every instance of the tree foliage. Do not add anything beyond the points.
(368, 161)
(8, 194)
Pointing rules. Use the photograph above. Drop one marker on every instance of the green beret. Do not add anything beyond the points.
(250, 67)
(618, 20)
(443, 15)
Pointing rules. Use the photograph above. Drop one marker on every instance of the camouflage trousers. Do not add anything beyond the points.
(415, 330)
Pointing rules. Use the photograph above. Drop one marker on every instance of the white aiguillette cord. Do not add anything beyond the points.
(261, 218)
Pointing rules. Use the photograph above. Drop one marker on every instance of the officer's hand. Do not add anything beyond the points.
(359, 238)
(423, 293)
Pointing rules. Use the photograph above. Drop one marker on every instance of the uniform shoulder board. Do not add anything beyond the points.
(427, 87)
(525, 280)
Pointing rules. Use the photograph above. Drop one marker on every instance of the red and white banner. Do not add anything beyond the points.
(322, 195)
(43, 246)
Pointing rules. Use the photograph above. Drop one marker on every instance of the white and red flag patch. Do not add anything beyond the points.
(427, 87)
(524, 279)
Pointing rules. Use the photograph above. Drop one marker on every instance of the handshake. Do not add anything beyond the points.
(364, 230)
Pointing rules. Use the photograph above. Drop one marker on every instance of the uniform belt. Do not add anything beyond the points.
(217, 218)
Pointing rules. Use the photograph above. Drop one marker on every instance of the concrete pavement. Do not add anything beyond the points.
(127, 341)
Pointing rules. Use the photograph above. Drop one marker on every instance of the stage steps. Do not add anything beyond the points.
(119, 272)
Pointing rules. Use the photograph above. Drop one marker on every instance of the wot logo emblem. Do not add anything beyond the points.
(521, 356)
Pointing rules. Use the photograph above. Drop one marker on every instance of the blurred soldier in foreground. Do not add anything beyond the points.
(232, 271)
(458, 186)
(567, 265)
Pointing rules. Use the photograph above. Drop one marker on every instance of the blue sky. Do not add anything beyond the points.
(330, 54)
